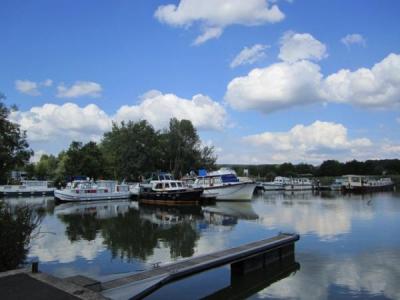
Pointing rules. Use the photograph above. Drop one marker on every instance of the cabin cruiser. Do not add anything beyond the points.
(277, 185)
(163, 187)
(299, 184)
(88, 190)
(225, 185)
(357, 183)
(27, 188)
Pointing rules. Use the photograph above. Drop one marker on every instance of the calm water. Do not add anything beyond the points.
(349, 246)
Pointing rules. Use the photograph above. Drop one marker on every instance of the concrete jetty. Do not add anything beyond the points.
(264, 254)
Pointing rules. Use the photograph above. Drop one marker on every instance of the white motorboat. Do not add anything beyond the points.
(299, 184)
(86, 190)
(27, 188)
(225, 185)
(277, 185)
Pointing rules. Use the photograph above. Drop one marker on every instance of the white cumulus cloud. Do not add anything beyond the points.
(313, 143)
(249, 56)
(79, 89)
(286, 84)
(275, 87)
(27, 87)
(298, 46)
(158, 109)
(52, 122)
(300, 137)
(214, 15)
(31, 88)
(52, 127)
(376, 87)
(354, 38)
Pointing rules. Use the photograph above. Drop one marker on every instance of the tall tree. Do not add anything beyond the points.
(84, 160)
(131, 149)
(182, 149)
(14, 149)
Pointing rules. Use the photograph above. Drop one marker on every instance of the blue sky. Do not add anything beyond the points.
(73, 67)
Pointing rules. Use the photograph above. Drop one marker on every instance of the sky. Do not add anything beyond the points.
(263, 81)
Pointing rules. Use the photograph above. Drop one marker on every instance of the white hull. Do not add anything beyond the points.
(232, 191)
(272, 187)
(298, 187)
(71, 196)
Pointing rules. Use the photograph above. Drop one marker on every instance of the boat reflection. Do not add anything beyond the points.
(101, 209)
(242, 287)
(43, 204)
(227, 214)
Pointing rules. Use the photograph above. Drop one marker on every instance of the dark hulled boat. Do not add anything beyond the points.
(163, 189)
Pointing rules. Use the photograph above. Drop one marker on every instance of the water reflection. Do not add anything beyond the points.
(308, 213)
(242, 287)
(349, 247)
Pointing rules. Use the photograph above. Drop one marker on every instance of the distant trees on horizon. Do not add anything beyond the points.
(327, 168)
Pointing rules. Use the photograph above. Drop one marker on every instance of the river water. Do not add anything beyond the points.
(349, 246)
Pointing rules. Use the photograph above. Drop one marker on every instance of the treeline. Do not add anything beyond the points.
(129, 151)
(327, 168)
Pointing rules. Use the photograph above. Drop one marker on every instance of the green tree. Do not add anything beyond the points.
(86, 160)
(14, 149)
(330, 168)
(45, 168)
(182, 149)
(131, 149)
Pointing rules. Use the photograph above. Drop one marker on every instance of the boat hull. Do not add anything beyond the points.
(49, 192)
(232, 192)
(298, 187)
(366, 188)
(272, 187)
(67, 196)
(171, 196)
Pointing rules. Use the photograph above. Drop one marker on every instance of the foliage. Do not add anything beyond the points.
(84, 160)
(182, 149)
(14, 149)
(15, 234)
(130, 149)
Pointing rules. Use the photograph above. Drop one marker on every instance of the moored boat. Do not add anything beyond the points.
(225, 185)
(358, 183)
(337, 185)
(299, 184)
(87, 190)
(276, 185)
(27, 188)
(163, 189)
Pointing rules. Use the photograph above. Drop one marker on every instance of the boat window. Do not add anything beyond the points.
(158, 186)
(161, 177)
(166, 185)
(179, 184)
(355, 179)
(173, 184)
